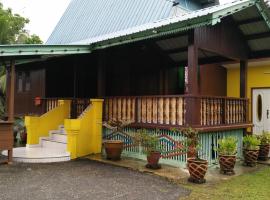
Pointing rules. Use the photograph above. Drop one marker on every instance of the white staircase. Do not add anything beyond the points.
(50, 149)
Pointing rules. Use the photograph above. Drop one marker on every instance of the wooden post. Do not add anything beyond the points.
(192, 104)
(243, 78)
(243, 86)
(11, 92)
(101, 74)
(11, 103)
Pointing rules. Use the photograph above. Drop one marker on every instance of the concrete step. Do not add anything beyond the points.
(49, 143)
(38, 155)
(59, 137)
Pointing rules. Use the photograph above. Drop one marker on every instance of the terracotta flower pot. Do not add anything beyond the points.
(153, 159)
(227, 164)
(250, 157)
(197, 170)
(264, 152)
(113, 149)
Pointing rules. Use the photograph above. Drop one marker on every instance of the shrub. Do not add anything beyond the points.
(227, 146)
(251, 142)
(149, 142)
(264, 138)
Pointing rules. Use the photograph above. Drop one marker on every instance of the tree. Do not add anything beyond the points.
(12, 31)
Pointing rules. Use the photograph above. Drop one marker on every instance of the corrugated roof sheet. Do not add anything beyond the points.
(85, 19)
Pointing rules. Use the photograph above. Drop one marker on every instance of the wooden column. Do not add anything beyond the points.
(10, 98)
(243, 78)
(243, 86)
(11, 91)
(192, 104)
(101, 74)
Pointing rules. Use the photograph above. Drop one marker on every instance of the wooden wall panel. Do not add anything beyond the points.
(213, 80)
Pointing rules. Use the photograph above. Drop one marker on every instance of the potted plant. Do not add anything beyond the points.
(251, 150)
(197, 167)
(151, 148)
(264, 146)
(227, 149)
(114, 148)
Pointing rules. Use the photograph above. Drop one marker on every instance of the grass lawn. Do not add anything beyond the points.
(253, 186)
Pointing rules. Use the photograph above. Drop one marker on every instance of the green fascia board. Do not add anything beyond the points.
(36, 50)
(264, 10)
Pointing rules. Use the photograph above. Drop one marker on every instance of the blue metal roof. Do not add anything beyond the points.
(85, 19)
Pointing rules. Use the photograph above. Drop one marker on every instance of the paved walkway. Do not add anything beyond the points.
(82, 179)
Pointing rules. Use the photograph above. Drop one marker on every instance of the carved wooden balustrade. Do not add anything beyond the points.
(162, 111)
(220, 110)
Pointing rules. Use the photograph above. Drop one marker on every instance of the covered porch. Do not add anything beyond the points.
(160, 76)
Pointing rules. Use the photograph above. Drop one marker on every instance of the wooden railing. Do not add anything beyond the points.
(77, 105)
(220, 110)
(171, 110)
(162, 110)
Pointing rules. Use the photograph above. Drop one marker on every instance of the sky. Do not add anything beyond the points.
(43, 14)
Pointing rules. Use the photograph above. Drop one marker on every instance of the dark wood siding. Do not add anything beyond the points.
(24, 99)
(213, 80)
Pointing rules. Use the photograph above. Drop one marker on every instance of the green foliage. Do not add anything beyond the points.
(12, 29)
(264, 138)
(251, 142)
(150, 143)
(191, 141)
(33, 39)
(227, 146)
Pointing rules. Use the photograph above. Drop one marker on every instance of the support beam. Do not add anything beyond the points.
(258, 36)
(11, 91)
(101, 74)
(192, 104)
(176, 50)
(11, 84)
(243, 78)
(249, 21)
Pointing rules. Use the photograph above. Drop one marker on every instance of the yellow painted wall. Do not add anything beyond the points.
(40, 126)
(84, 135)
(256, 78)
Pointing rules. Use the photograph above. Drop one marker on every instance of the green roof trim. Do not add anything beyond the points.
(40, 50)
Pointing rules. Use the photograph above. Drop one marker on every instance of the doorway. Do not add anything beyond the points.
(261, 110)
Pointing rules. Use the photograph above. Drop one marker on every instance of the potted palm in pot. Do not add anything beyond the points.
(227, 149)
(264, 146)
(151, 148)
(197, 167)
(251, 150)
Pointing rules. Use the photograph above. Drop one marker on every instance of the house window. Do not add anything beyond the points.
(259, 108)
(20, 82)
(23, 82)
(27, 82)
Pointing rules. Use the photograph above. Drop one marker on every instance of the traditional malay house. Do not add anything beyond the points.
(159, 64)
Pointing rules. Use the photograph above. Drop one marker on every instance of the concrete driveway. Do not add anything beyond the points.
(82, 179)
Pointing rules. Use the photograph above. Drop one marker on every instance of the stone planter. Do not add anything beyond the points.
(264, 152)
(250, 157)
(227, 164)
(197, 170)
(113, 149)
(153, 159)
